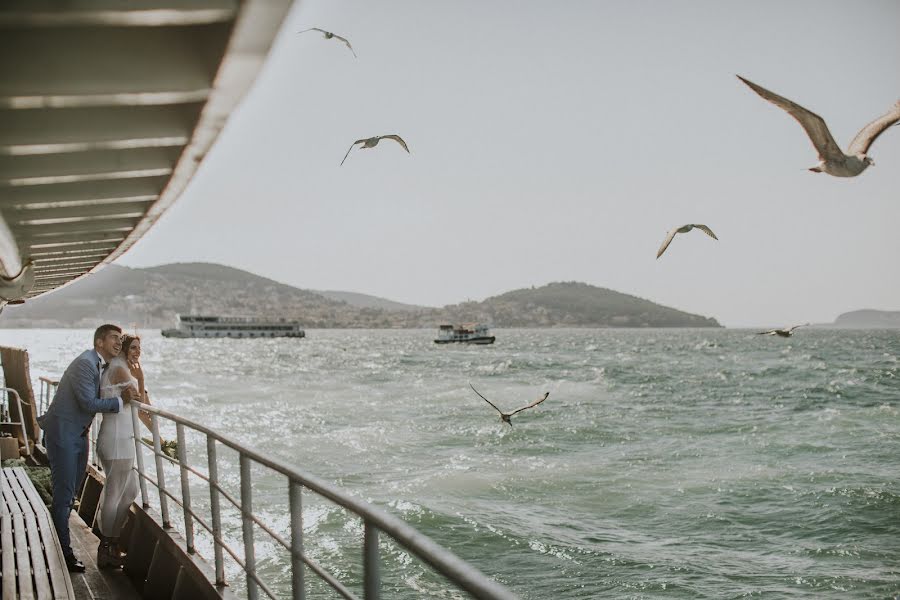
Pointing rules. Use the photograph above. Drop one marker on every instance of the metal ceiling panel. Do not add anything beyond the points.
(107, 109)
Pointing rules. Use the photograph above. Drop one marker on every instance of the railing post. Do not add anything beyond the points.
(246, 512)
(185, 488)
(371, 574)
(138, 452)
(40, 408)
(298, 586)
(160, 474)
(215, 510)
(92, 446)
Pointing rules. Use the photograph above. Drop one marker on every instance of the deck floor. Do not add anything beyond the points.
(95, 584)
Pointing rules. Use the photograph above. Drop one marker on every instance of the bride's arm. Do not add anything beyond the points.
(145, 416)
(137, 371)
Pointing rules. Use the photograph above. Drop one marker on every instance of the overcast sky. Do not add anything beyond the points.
(559, 141)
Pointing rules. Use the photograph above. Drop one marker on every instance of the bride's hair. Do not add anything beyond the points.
(127, 341)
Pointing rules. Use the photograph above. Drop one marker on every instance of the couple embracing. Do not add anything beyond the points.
(103, 380)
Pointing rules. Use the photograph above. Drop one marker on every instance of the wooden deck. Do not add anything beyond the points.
(33, 563)
(95, 584)
(33, 566)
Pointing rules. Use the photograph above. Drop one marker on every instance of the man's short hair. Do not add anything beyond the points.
(103, 330)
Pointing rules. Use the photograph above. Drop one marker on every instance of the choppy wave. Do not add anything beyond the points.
(665, 464)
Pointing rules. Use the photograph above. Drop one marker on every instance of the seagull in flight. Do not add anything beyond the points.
(782, 332)
(505, 417)
(328, 35)
(683, 229)
(373, 141)
(832, 159)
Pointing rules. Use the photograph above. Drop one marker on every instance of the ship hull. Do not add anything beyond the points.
(209, 326)
(482, 341)
(175, 333)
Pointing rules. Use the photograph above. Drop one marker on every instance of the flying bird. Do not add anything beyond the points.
(683, 229)
(782, 332)
(832, 159)
(505, 417)
(328, 35)
(373, 141)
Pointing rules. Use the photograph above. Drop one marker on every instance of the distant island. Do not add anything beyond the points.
(867, 319)
(150, 298)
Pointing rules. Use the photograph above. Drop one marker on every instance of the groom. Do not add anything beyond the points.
(67, 422)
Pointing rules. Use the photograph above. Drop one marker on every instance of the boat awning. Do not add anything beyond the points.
(107, 108)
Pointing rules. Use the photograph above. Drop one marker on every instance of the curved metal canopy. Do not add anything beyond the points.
(107, 108)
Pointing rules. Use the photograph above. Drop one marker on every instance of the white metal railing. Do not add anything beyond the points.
(376, 521)
(48, 387)
(45, 397)
(6, 418)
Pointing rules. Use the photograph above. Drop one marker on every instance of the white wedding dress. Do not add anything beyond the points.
(115, 447)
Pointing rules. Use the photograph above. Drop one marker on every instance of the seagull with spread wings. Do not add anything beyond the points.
(683, 229)
(832, 159)
(328, 35)
(505, 417)
(787, 332)
(373, 141)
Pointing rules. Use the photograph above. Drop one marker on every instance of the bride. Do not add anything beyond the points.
(115, 447)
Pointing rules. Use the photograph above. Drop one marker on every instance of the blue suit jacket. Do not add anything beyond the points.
(76, 402)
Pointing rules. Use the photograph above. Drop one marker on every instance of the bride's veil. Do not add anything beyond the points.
(118, 371)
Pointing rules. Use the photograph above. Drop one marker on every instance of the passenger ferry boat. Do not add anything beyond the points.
(200, 326)
(109, 132)
(468, 333)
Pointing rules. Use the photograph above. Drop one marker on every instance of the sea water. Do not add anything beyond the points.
(693, 463)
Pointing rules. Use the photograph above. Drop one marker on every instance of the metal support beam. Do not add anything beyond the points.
(75, 240)
(156, 161)
(41, 233)
(46, 216)
(62, 194)
(134, 13)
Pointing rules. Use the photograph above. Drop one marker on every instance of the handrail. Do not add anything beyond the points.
(451, 567)
(286, 544)
(21, 421)
(44, 396)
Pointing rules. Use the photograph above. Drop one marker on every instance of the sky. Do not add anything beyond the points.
(560, 141)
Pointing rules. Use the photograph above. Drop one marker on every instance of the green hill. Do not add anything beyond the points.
(573, 304)
(869, 319)
(151, 298)
(367, 301)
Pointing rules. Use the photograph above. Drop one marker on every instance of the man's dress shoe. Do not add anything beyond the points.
(74, 565)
